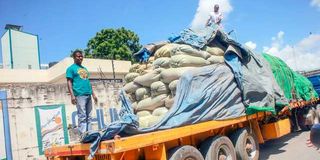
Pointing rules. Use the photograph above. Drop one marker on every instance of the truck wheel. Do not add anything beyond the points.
(218, 148)
(246, 144)
(184, 153)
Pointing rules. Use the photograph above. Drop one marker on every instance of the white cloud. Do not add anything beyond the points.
(280, 35)
(315, 3)
(206, 6)
(251, 45)
(277, 41)
(302, 56)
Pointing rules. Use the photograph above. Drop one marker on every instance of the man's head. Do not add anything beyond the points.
(77, 56)
(216, 8)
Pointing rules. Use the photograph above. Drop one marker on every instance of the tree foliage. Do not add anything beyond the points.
(113, 43)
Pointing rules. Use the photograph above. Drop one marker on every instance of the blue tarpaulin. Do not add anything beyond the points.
(203, 94)
(213, 92)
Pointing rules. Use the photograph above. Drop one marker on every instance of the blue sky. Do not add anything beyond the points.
(268, 25)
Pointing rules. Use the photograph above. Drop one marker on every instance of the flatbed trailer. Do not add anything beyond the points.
(216, 139)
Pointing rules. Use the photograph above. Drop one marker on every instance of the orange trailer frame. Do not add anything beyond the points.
(154, 145)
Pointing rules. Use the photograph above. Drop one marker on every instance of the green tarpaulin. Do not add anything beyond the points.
(293, 84)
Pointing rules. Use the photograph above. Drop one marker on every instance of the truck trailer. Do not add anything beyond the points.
(231, 139)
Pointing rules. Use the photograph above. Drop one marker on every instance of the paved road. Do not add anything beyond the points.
(290, 147)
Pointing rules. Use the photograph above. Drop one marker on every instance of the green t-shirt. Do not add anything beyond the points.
(80, 80)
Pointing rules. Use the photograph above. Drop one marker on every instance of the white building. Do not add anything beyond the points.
(20, 50)
(28, 88)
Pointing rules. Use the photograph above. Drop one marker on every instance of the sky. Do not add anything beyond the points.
(289, 29)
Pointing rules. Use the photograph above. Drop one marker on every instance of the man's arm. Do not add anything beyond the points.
(207, 23)
(73, 98)
(94, 96)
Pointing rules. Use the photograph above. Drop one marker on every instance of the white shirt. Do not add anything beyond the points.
(215, 17)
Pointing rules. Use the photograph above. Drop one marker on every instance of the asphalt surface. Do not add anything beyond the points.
(290, 147)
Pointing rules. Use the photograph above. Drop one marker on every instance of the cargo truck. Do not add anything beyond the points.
(230, 139)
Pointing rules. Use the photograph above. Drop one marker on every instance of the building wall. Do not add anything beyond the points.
(22, 76)
(27, 96)
(5, 47)
(27, 88)
(99, 69)
(24, 50)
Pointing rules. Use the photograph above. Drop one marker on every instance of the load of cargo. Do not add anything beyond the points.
(197, 76)
(151, 86)
(266, 83)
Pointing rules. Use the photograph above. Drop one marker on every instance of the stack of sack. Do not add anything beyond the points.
(151, 86)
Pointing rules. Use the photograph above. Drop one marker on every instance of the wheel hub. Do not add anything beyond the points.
(250, 147)
(224, 153)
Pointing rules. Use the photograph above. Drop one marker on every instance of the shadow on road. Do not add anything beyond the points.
(272, 147)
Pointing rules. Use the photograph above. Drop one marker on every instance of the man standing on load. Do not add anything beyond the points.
(80, 91)
(215, 17)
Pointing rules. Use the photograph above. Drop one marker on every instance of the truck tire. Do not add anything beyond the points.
(246, 144)
(218, 148)
(184, 153)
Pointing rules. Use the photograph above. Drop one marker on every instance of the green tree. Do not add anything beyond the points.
(113, 43)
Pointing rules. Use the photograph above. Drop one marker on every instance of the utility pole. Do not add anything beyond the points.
(114, 75)
(112, 109)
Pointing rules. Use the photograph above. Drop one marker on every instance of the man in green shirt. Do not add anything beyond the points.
(81, 91)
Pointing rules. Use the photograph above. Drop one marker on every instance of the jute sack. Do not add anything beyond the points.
(130, 77)
(154, 120)
(158, 88)
(163, 62)
(161, 111)
(152, 47)
(169, 101)
(171, 74)
(134, 68)
(144, 69)
(165, 50)
(140, 68)
(144, 121)
(184, 49)
(132, 97)
(173, 87)
(131, 87)
(142, 93)
(187, 61)
(151, 103)
(151, 60)
(148, 121)
(215, 51)
(148, 78)
(216, 59)
(143, 113)
(134, 105)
